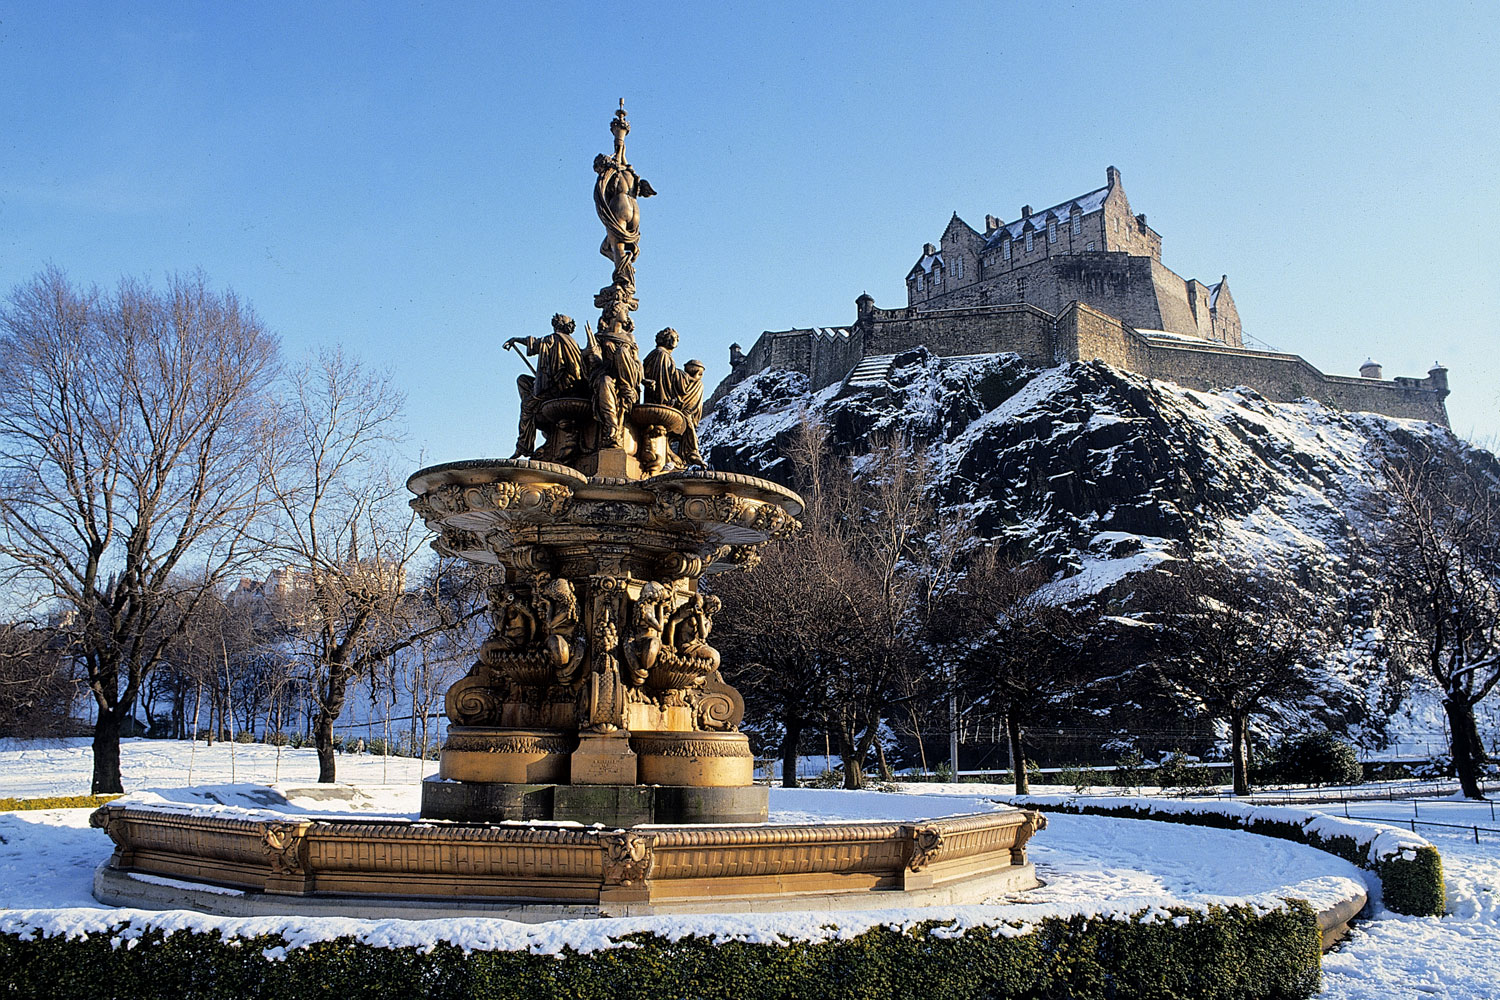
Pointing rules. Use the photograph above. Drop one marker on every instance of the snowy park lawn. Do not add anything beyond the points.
(1088, 865)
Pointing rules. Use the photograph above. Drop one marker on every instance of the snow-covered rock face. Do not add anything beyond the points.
(1102, 473)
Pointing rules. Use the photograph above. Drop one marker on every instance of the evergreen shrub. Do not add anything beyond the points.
(1233, 953)
(57, 802)
(1315, 759)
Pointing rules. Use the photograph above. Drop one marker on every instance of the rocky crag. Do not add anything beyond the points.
(1103, 474)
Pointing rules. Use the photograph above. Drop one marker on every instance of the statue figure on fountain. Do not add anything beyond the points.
(680, 388)
(613, 364)
(559, 372)
(615, 199)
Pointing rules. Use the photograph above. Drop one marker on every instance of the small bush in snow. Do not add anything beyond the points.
(1315, 759)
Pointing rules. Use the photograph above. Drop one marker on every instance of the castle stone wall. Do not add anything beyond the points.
(1016, 328)
(1080, 333)
(1086, 334)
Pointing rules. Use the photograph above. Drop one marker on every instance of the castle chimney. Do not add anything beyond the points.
(1025, 212)
(736, 356)
(1112, 177)
(928, 249)
(990, 224)
(1141, 221)
(1370, 369)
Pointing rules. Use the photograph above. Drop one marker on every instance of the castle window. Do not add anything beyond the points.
(1005, 249)
(937, 276)
(958, 268)
(919, 282)
(1028, 240)
(1052, 231)
(1088, 246)
(1021, 289)
(1077, 224)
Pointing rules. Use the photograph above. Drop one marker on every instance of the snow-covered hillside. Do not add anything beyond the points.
(1101, 473)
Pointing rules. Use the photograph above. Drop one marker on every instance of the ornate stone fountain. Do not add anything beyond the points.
(597, 697)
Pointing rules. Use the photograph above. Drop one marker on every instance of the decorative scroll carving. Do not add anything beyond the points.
(473, 701)
(719, 706)
(286, 845)
(454, 542)
(682, 565)
(926, 846)
(1034, 821)
(628, 858)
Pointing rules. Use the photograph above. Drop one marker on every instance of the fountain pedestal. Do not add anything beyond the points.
(597, 696)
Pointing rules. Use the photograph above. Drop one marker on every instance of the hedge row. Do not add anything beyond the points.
(57, 802)
(1234, 953)
(1411, 878)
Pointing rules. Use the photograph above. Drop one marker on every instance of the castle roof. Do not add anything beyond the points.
(1084, 203)
(925, 263)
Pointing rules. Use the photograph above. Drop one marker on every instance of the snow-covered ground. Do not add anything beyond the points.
(44, 768)
(1089, 864)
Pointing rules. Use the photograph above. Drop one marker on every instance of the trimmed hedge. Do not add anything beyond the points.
(57, 802)
(1411, 880)
(1233, 953)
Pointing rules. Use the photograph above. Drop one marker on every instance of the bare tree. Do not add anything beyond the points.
(1016, 646)
(345, 535)
(784, 625)
(1438, 542)
(1230, 641)
(37, 686)
(129, 427)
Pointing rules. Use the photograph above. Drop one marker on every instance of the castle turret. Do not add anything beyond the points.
(864, 305)
(1437, 379)
(1370, 369)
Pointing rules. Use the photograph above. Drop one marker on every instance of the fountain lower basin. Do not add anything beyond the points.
(169, 858)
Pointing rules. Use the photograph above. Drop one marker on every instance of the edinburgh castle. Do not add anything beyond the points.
(1081, 280)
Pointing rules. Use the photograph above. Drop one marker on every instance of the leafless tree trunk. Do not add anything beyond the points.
(130, 423)
(1438, 520)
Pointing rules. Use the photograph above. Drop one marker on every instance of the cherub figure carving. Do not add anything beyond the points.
(644, 645)
(557, 608)
(688, 629)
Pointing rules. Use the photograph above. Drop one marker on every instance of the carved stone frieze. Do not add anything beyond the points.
(521, 743)
(678, 747)
(547, 500)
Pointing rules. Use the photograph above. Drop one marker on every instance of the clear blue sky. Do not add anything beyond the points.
(414, 181)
